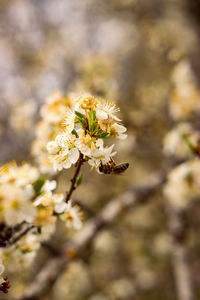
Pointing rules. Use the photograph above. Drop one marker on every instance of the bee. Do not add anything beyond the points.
(112, 168)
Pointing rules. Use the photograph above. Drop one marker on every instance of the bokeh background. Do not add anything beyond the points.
(121, 50)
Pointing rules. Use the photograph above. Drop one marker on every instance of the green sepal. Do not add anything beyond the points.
(38, 184)
(92, 120)
(78, 180)
(81, 118)
(75, 133)
(102, 134)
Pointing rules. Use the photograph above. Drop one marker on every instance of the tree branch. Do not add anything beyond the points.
(73, 180)
(54, 267)
(180, 256)
(10, 235)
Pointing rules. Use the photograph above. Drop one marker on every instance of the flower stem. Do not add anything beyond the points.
(73, 180)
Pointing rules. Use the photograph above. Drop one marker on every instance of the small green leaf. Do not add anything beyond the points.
(102, 134)
(83, 122)
(79, 115)
(78, 180)
(93, 117)
(81, 118)
(91, 120)
(38, 184)
(189, 143)
(75, 133)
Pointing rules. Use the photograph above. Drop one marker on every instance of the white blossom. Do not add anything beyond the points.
(48, 186)
(120, 131)
(67, 154)
(175, 141)
(185, 99)
(69, 120)
(183, 185)
(53, 147)
(72, 216)
(101, 155)
(107, 110)
(87, 122)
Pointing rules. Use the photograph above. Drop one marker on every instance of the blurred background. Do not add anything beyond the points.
(125, 51)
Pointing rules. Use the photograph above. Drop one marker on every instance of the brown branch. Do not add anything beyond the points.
(54, 267)
(180, 256)
(73, 180)
(25, 228)
(10, 235)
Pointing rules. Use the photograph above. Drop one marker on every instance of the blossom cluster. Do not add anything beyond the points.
(71, 130)
(27, 196)
(181, 141)
(51, 118)
(86, 125)
(183, 184)
(185, 99)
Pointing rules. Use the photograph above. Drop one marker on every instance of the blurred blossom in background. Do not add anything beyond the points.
(143, 55)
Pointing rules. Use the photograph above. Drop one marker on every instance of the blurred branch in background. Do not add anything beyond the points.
(144, 55)
(182, 272)
(116, 207)
(10, 235)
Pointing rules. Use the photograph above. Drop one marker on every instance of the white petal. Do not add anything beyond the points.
(37, 202)
(101, 114)
(60, 207)
(102, 153)
(73, 155)
(91, 162)
(69, 205)
(57, 166)
(67, 164)
(113, 154)
(99, 153)
(99, 143)
(49, 186)
(52, 148)
(65, 152)
(122, 136)
(58, 198)
(119, 128)
(116, 118)
(69, 128)
(109, 150)
(59, 138)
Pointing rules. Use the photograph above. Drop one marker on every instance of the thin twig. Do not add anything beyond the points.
(15, 233)
(73, 180)
(26, 227)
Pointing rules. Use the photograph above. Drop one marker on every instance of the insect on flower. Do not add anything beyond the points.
(112, 168)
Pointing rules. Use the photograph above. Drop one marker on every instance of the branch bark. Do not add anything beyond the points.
(73, 180)
(10, 235)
